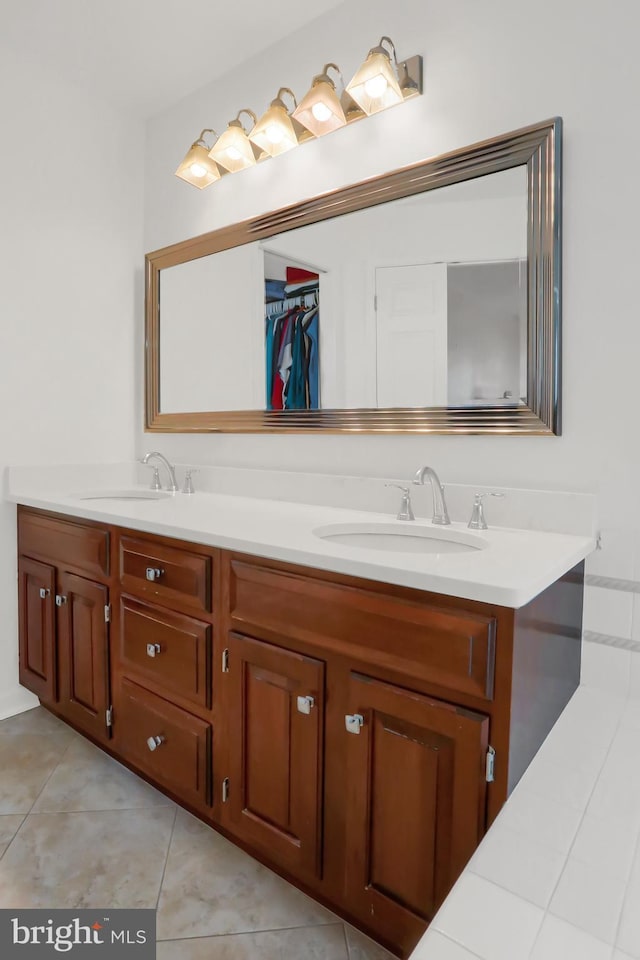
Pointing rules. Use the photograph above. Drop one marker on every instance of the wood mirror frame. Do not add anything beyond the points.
(539, 148)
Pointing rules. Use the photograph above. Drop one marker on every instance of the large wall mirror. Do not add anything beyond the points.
(426, 300)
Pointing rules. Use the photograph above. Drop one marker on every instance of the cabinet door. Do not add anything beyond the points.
(277, 708)
(36, 588)
(83, 653)
(415, 804)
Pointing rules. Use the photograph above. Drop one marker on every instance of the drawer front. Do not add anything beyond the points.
(75, 546)
(169, 648)
(167, 743)
(453, 649)
(166, 575)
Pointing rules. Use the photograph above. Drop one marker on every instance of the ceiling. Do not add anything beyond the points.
(143, 55)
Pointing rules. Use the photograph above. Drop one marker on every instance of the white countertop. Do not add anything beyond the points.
(515, 566)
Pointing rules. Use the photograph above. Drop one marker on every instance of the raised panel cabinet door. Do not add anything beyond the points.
(275, 782)
(36, 589)
(83, 644)
(415, 803)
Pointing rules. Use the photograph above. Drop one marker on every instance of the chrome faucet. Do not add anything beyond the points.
(154, 455)
(440, 512)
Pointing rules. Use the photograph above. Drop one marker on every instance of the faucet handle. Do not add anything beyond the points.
(155, 480)
(187, 486)
(406, 511)
(478, 520)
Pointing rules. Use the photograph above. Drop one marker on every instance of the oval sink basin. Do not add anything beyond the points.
(122, 495)
(409, 538)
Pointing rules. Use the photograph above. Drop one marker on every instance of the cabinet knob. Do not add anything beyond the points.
(305, 704)
(354, 722)
(44, 593)
(154, 742)
(153, 649)
(60, 600)
(153, 573)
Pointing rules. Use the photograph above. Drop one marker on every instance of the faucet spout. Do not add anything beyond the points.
(154, 455)
(440, 512)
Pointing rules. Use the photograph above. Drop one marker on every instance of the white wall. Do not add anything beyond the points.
(489, 68)
(70, 291)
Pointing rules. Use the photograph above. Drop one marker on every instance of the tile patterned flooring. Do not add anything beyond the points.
(79, 830)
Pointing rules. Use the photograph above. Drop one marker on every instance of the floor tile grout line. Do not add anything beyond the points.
(166, 859)
(446, 936)
(544, 911)
(347, 948)
(24, 817)
(459, 943)
(60, 813)
(547, 911)
(42, 788)
(634, 859)
(252, 933)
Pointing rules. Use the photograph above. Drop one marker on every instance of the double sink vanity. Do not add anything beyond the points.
(345, 691)
(354, 716)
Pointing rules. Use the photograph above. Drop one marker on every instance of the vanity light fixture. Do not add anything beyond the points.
(375, 85)
(198, 168)
(233, 150)
(274, 132)
(321, 111)
(380, 82)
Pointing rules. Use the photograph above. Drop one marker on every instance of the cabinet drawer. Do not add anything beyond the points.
(169, 648)
(450, 648)
(75, 545)
(166, 575)
(167, 743)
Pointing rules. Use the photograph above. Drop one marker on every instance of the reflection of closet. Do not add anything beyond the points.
(292, 334)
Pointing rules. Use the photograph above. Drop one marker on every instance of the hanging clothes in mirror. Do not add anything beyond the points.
(292, 343)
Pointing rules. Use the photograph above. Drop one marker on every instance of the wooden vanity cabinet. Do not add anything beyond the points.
(64, 614)
(356, 736)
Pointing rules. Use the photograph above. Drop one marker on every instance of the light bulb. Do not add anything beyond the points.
(274, 133)
(233, 153)
(321, 111)
(376, 86)
(197, 170)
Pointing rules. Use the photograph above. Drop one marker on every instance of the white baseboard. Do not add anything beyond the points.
(16, 701)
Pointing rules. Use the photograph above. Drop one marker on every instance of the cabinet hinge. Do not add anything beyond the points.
(107, 613)
(225, 789)
(225, 660)
(109, 716)
(375, 301)
(489, 765)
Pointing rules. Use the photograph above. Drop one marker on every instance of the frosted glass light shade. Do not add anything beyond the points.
(320, 111)
(274, 132)
(233, 149)
(375, 85)
(197, 168)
